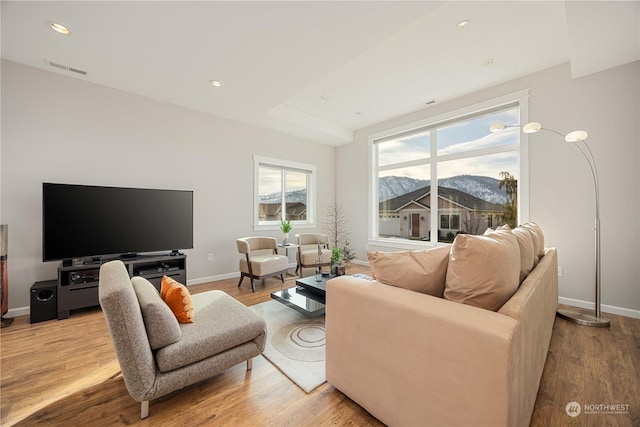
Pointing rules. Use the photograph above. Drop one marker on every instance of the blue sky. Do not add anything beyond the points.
(456, 138)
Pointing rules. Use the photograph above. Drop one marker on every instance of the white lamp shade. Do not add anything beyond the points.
(497, 127)
(576, 135)
(532, 127)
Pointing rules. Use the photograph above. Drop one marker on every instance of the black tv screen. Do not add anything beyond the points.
(89, 221)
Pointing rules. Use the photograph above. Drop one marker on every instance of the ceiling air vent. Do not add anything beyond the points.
(65, 67)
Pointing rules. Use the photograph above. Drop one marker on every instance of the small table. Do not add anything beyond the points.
(286, 247)
(307, 298)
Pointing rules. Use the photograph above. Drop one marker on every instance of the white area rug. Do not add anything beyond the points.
(295, 344)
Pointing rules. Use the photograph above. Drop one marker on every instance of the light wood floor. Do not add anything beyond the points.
(65, 373)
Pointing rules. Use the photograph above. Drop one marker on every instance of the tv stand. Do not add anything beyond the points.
(78, 284)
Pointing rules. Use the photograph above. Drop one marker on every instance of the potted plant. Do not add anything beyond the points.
(337, 262)
(285, 226)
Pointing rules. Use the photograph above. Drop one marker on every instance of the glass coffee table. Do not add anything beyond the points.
(308, 297)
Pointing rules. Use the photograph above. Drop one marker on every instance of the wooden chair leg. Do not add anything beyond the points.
(249, 364)
(241, 279)
(282, 277)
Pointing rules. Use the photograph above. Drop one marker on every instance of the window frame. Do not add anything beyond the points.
(284, 165)
(520, 98)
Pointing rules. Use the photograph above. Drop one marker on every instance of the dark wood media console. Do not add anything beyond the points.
(78, 284)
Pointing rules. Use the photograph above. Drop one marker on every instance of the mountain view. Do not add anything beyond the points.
(482, 187)
(276, 198)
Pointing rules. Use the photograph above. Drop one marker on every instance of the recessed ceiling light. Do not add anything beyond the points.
(59, 28)
(488, 62)
(359, 113)
(324, 97)
(463, 24)
(215, 83)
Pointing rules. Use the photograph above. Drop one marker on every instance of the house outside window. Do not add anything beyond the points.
(453, 163)
(283, 190)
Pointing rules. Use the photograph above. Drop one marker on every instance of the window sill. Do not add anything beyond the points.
(272, 227)
(414, 245)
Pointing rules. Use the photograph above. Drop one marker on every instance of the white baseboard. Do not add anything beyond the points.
(621, 311)
(223, 277)
(213, 278)
(20, 311)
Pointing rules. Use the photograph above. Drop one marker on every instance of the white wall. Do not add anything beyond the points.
(60, 129)
(606, 104)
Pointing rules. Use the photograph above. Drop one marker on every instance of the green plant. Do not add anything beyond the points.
(348, 254)
(336, 255)
(285, 226)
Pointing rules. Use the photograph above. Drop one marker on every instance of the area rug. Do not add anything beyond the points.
(295, 344)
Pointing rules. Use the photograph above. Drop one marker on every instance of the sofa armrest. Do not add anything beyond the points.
(413, 359)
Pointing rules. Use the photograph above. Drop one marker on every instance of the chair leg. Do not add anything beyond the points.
(249, 364)
(253, 287)
(144, 409)
(282, 277)
(241, 279)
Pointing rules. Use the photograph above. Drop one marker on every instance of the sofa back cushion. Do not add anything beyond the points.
(159, 321)
(527, 250)
(538, 238)
(483, 271)
(419, 271)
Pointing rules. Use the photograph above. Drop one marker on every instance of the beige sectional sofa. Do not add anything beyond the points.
(414, 359)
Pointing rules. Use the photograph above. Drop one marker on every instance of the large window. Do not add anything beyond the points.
(448, 175)
(283, 191)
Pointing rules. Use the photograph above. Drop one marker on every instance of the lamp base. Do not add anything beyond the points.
(583, 317)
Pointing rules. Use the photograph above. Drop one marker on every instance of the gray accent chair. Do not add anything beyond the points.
(307, 255)
(260, 259)
(158, 355)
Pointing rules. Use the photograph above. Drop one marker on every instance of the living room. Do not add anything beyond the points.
(62, 127)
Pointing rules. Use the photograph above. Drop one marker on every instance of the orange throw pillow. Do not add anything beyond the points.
(178, 299)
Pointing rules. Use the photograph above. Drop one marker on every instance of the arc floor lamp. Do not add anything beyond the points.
(578, 139)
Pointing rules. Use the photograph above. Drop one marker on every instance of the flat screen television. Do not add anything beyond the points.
(80, 221)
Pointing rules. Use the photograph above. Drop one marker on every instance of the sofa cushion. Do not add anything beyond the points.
(265, 263)
(538, 237)
(178, 298)
(223, 323)
(527, 249)
(419, 271)
(309, 256)
(159, 321)
(483, 271)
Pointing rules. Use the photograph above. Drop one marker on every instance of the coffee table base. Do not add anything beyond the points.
(301, 300)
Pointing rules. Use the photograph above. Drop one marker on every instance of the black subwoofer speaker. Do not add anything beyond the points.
(44, 304)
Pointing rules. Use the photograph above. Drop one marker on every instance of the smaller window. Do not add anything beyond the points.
(283, 191)
(444, 222)
(489, 221)
(455, 222)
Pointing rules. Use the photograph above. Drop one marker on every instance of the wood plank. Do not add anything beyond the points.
(61, 373)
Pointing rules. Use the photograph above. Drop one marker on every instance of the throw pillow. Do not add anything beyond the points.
(419, 271)
(538, 237)
(527, 252)
(483, 271)
(178, 299)
(159, 321)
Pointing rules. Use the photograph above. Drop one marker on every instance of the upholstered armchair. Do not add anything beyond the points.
(157, 354)
(260, 259)
(308, 246)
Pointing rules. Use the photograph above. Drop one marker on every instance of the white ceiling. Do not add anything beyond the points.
(372, 60)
